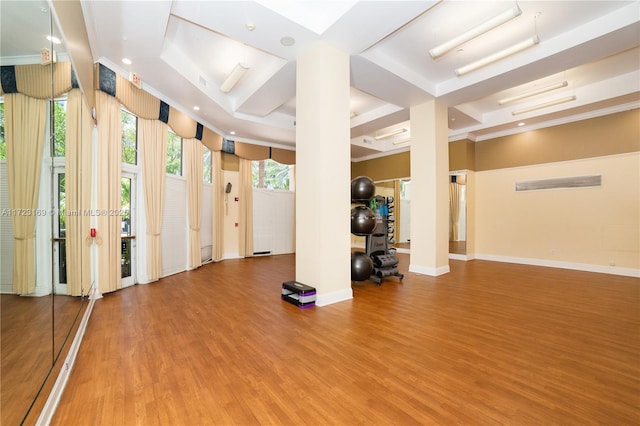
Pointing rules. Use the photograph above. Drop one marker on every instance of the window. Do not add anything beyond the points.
(207, 165)
(59, 127)
(62, 226)
(129, 138)
(3, 144)
(270, 174)
(174, 154)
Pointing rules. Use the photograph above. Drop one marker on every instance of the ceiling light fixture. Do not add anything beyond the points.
(196, 108)
(54, 40)
(287, 41)
(391, 133)
(234, 76)
(126, 61)
(544, 105)
(525, 44)
(402, 141)
(533, 93)
(486, 26)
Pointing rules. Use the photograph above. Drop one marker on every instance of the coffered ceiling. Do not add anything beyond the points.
(184, 50)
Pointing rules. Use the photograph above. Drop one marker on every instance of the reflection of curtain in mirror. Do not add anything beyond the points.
(217, 205)
(193, 151)
(78, 190)
(153, 145)
(25, 121)
(246, 208)
(454, 210)
(109, 192)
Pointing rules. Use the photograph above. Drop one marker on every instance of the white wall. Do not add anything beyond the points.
(174, 226)
(593, 228)
(273, 221)
(6, 233)
(206, 222)
(231, 245)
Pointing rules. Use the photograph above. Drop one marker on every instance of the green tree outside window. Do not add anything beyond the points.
(270, 174)
(174, 154)
(59, 127)
(129, 138)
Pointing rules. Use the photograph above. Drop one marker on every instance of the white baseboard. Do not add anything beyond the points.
(461, 256)
(426, 270)
(613, 270)
(334, 297)
(56, 392)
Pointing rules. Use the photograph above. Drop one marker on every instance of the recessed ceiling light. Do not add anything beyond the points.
(196, 108)
(521, 123)
(287, 41)
(126, 61)
(233, 132)
(251, 26)
(54, 40)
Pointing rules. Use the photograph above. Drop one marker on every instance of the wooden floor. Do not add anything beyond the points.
(33, 332)
(488, 343)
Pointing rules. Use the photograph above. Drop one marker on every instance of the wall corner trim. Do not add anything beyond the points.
(427, 270)
(334, 297)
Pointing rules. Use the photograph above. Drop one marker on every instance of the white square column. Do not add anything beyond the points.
(430, 189)
(323, 176)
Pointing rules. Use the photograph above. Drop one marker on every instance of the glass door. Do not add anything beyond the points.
(59, 231)
(128, 233)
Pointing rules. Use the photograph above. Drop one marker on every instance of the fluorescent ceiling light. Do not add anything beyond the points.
(402, 141)
(544, 105)
(232, 79)
(533, 93)
(391, 133)
(525, 44)
(475, 32)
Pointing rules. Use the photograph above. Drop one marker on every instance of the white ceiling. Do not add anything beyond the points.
(183, 51)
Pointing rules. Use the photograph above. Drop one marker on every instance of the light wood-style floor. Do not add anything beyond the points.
(488, 343)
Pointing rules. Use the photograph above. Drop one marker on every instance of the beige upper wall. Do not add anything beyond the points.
(390, 167)
(597, 137)
(608, 135)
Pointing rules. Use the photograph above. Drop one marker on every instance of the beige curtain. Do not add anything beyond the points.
(454, 210)
(78, 191)
(153, 144)
(246, 209)
(109, 192)
(217, 179)
(25, 122)
(193, 152)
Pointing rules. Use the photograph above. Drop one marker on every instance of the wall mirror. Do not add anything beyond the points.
(44, 129)
(458, 213)
(400, 190)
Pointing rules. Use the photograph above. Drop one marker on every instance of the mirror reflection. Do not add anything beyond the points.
(400, 189)
(42, 130)
(458, 213)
